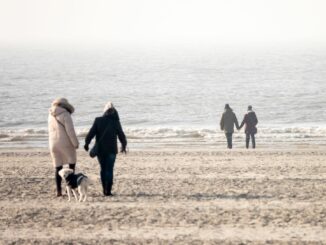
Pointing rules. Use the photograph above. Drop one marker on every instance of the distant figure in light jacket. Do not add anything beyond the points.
(227, 123)
(63, 141)
(250, 120)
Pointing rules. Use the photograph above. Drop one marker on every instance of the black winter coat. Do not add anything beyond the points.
(110, 125)
(250, 120)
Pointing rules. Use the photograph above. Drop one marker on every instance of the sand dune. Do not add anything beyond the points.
(170, 197)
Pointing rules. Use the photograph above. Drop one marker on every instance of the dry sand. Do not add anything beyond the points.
(170, 197)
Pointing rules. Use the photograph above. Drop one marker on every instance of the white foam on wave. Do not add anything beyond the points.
(179, 134)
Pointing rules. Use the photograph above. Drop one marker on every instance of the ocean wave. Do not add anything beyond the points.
(166, 133)
(4, 136)
(18, 138)
(34, 131)
(176, 133)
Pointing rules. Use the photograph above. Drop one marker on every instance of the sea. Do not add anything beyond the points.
(166, 97)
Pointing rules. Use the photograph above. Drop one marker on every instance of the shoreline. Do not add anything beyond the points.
(291, 136)
(195, 148)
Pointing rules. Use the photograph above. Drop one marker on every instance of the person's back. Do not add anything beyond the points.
(63, 141)
(227, 123)
(62, 135)
(107, 129)
(250, 121)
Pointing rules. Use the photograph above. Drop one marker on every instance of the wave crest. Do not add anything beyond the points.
(171, 134)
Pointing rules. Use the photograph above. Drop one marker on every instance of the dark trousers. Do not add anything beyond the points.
(252, 136)
(58, 178)
(107, 167)
(229, 139)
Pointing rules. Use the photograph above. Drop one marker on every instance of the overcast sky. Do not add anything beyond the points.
(162, 21)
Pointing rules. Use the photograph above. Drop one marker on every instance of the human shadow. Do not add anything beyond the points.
(200, 196)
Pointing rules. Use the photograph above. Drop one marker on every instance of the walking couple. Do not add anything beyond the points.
(229, 119)
(63, 141)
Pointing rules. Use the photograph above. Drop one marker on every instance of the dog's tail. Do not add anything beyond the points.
(90, 179)
(86, 180)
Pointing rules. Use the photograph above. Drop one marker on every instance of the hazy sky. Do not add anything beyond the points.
(162, 21)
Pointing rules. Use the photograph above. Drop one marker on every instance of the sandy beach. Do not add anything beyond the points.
(170, 197)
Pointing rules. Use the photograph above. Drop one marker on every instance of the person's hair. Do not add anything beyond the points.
(249, 107)
(112, 113)
(227, 106)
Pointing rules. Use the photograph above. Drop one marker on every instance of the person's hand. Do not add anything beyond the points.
(123, 150)
(86, 147)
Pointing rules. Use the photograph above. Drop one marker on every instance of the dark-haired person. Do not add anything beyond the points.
(227, 123)
(63, 141)
(107, 129)
(250, 121)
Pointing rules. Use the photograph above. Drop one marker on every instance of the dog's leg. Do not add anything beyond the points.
(80, 193)
(74, 192)
(68, 192)
(85, 193)
(84, 190)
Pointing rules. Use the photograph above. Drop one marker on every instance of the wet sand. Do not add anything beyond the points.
(170, 197)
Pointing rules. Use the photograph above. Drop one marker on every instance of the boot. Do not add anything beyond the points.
(58, 181)
(59, 193)
(109, 188)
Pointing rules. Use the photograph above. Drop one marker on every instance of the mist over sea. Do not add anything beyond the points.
(166, 97)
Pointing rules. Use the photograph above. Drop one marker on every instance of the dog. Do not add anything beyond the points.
(73, 182)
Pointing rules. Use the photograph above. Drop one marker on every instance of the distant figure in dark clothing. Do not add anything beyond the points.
(107, 129)
(250, 120)
(227, 123)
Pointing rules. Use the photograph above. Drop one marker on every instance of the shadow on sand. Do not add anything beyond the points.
(200, 196)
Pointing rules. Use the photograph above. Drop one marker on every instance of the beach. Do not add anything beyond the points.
(170, 196)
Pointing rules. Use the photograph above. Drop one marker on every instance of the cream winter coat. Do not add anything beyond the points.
(63, 141)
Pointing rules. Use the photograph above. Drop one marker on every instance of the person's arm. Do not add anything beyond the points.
(69, 126)
(256, 119)
(222, 122)
(242, 123)
(91, 134)
(236, 122)
(122, 137)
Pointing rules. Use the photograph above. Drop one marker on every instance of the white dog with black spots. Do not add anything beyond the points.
(75, 181)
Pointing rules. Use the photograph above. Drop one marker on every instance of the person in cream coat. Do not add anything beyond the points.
(63, 141)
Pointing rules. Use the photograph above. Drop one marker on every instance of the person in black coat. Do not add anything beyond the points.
(107, 129)
(250, 121)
